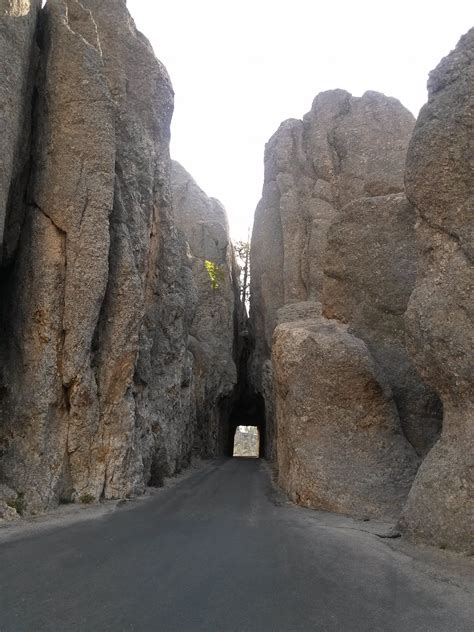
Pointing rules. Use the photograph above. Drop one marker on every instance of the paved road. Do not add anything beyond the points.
(217, 553)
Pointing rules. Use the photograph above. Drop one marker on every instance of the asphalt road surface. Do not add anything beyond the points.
(219, 552)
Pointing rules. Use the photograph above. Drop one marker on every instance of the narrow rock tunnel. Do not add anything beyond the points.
(249, 410)
(120, 364)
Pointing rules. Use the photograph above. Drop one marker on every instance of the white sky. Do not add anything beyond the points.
(240, 68)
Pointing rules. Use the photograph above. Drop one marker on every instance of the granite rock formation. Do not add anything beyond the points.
(18, 52)
(344, 149)
(370, 272)
(440, 316)
(97, 294)
(339, 443)
(123, 341)
(334, 226)
(212, 335)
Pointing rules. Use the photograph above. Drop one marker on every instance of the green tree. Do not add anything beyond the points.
(215, 273)
(242, 253)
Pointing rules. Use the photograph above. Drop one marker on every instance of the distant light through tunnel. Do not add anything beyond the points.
(247, 441)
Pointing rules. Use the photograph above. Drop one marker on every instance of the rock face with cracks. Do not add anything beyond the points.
(212, 335)
(97, 292)
(440, 316)
(119, 301)
(334, 226)
(339, 443)
(370, 272)
(18, 52)
(345, 148)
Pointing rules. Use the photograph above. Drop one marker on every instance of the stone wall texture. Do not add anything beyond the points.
(100, 296)
(125, 349)
(334, 226)
(362, 305)
(339, 443)
(212, 340)
(18, 51)
(333, 261)
(370, 271)
(440, 316)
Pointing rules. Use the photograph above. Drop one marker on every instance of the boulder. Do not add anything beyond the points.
(370, 272)
(339, 443)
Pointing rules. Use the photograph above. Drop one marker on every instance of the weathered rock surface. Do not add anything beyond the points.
(212, 336)
(343, 149)
(18, 21)
(97, 397)
(345, 158)
(339, 443)
(440, 316)
(85, 270)
(370, 272)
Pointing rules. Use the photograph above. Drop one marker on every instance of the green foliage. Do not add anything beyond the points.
(215, 273)
(19, 503)
(87, 499)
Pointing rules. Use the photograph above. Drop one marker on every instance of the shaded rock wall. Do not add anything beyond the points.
(440, 316)
(97, 295)
(212, 341)
(18, 19)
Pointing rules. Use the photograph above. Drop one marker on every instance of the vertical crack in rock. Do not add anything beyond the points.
(72, 183)
(19, 54)
(370, 272)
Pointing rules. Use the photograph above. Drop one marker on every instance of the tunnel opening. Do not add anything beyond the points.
(248, 412)
(246, 442)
